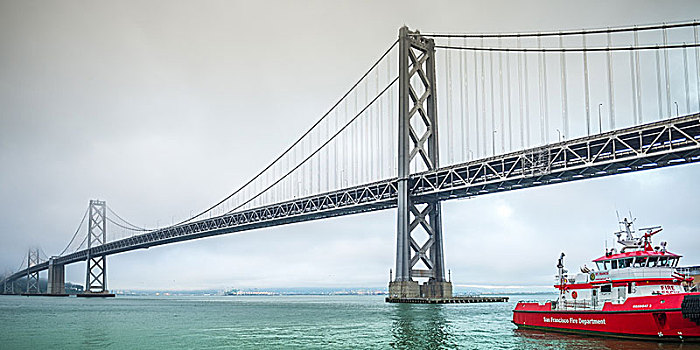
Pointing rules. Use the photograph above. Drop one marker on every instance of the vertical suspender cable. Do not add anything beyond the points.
(540, 69)
(318, 161)
(697, 60)
(687, 84)
(377, 150)
(384, 117)
(463, 105)
(389, 118)
(519, 57)
(367, 135)
(483, 102)
(295, 187)
(586, 87)
(564, 95)
(667, 75)
(328, 157)
(658, 83)
(336, 166)
(305, 169)
(354, 146)
(307, 179)
(365, 162)
(527, 100)
(637, 79)
(500, 85)
(545, 98)
(633, 78)
(476, 107)
(510, 106)
(493, 107)
(611, 91)
(448, 102)
(343, 145)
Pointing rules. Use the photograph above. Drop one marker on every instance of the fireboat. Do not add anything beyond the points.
(634, 293)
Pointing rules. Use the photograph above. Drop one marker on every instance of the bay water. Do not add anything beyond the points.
(275, 322)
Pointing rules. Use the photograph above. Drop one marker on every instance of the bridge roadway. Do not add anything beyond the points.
(649, 146)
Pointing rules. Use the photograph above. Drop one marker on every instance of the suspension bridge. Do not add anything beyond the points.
(516, 110)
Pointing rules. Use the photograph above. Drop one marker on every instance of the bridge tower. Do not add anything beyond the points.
(419, 246)
(32, 278)
(96, 278)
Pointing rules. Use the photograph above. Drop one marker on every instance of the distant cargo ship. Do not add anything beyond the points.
(634, 293)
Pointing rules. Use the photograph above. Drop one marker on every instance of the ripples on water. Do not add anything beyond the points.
(302, 322)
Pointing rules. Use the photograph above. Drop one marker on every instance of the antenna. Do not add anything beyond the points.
(632, 218)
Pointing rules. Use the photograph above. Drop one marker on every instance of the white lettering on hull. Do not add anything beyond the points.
(574, 320)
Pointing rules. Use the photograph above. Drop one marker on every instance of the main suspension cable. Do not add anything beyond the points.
(295, 143)
(127, 227)
(318, 149)
(134, 227)
(76, 232)
(563, 33)
(582, 49)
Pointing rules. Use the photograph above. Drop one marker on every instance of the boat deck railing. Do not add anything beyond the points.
(576, 305)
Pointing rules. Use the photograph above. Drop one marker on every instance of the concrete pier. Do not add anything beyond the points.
(452, 300)
(105, 294)
(413, 290)
(57, 279)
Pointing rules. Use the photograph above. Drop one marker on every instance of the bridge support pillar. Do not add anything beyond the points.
(419, 247)
(96, 276)
(57, 278)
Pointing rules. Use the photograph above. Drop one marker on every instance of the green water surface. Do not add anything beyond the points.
(274, 322)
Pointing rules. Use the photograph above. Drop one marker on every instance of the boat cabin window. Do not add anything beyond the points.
(663, 261)
(606, 288)
(599, 264)
(653, 261)
(613, 264)
(640, 261)
(674, 262)
(624, 263)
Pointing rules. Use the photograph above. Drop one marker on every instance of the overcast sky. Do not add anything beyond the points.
(161, 108)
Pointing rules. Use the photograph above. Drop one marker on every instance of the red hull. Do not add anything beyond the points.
(658, 317)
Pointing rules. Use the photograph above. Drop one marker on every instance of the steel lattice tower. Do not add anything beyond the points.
(418, 147)
(33, 277)
(96, 279)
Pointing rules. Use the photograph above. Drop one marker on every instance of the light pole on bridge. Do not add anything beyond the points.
(493, 142)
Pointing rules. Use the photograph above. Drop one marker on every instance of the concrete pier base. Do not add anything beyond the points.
(105, 294)
(452, 300)
(404, 289)
(432, 289)
(57, 279)
(412, 290)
